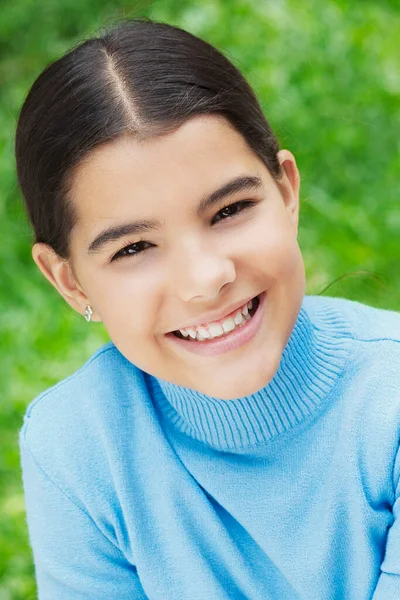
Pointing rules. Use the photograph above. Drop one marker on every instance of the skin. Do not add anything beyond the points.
(194, 265)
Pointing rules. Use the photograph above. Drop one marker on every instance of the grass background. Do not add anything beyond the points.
(328, 77)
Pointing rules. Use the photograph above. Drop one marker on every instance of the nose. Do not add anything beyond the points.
(200, 272)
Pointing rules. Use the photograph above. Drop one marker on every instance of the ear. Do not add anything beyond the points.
(290, 184)
(59, 272)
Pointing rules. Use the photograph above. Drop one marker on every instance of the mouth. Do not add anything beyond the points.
(242, 333)
(255, 302)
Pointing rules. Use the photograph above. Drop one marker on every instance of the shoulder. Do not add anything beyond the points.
(371, 336)
(363, 322)
(369, 390)
(70, 427)
(79, 393)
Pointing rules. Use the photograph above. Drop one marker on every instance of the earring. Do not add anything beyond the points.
(88, 312)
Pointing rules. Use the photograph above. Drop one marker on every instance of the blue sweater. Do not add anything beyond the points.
(138, 488)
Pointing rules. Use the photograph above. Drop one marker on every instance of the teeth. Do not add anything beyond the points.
(216, 330)
(205, 334)
(228, 325)
(238, 318)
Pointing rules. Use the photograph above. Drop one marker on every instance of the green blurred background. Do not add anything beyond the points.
(328, 76)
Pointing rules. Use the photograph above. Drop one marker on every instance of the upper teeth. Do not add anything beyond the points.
(217, 329)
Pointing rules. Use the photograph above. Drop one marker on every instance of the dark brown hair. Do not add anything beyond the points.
(143, 78)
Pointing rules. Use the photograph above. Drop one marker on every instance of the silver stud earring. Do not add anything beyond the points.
(88, 312)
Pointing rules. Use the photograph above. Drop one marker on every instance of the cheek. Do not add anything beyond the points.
(130, 283)
(273, 246)
(127, 301)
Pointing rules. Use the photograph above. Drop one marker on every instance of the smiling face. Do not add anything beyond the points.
(197, 261)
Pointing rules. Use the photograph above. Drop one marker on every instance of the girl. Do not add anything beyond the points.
(235, 439)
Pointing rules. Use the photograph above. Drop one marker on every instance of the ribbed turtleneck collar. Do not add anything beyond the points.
(310, 367)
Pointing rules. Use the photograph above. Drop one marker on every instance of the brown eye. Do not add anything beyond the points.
(232, 210)
(130, 250)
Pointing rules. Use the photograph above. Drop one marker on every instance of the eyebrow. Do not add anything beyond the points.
(244, 183)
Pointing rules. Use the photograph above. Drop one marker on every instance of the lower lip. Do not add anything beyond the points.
(230, 341)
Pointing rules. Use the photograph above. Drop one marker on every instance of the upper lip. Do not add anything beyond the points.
(214, 316)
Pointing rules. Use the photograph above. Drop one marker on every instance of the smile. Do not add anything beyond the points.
(216, 329)
(236, 336)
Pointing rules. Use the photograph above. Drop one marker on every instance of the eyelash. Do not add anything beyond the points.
(245, 205)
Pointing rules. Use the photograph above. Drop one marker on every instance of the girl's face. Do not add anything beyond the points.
(192, 262)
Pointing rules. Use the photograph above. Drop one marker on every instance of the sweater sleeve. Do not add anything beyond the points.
(388, 587)
(73, 559)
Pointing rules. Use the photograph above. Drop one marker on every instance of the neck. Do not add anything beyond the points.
(311, 364)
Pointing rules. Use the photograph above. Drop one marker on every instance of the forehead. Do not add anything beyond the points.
(131, 175)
